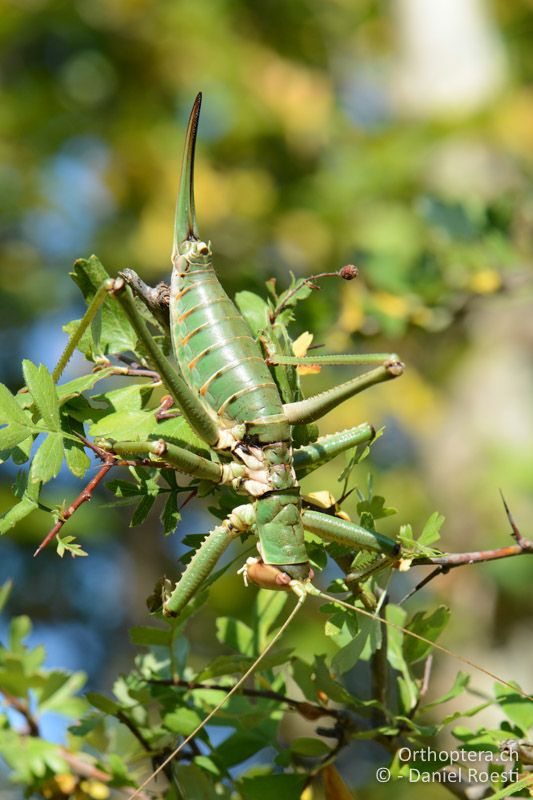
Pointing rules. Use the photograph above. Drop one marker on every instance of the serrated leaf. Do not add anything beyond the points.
(12, 435)
(67, 544)
(375, 506)
(170, 516)
(10, 411)
(254, 310)
(48, 459)
(517, 709)
(77, 459)
(429, 625)
(29, 494)
(111, 331)
(142, 510)
(43, 390)
(130, 426)
(431, 531)
(67, 391)
(349, 655)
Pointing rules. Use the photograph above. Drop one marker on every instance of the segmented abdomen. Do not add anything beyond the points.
(216, 351)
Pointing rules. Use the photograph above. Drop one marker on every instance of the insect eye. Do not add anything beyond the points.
(203, 249)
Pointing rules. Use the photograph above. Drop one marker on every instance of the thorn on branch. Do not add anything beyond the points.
(521, 540)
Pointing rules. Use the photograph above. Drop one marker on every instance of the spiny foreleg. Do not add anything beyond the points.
(164, 454)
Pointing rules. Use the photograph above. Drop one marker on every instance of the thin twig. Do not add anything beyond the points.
(122, 717)
(23, 708)
(450, 561)
(83, 768)
(348, 272)
(84, 496)
(308, 710)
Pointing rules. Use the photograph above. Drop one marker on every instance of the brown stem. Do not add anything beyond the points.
(83, 768)
(84, 496)
(450, 561)
(308, 710)
(122, 717)
(305, 282)
(379, 666)
(23, 708)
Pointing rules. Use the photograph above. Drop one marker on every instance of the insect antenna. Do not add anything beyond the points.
(332, 599)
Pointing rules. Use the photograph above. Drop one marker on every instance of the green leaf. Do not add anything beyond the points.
(5, 591)
(517, 709)
(254, 310)
(10, 411)
(131, 426)
(57, 693)
(12, 435)
(408, 688)
(77, 459)
(19, 629)
(170, 516)
(461, 682)
(103, 703)
(148, 636)
(429, 625)
(431, 531)
(268, 607)
(43, 390)
(67, 391)
(142, 510)
(194, 784)
(236, 634)
(48, 459)
(266, 787)
(29, 494)
(349, 655)
(327, 684)
(508, 791)
(111, 331)
(306, 746)
(375, 506)
(183, 721)
(67, 544)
